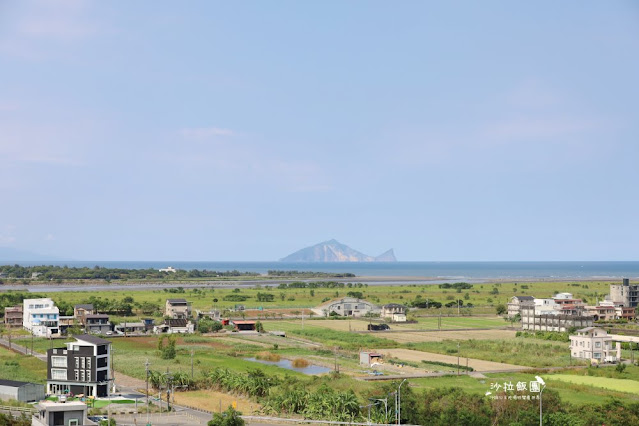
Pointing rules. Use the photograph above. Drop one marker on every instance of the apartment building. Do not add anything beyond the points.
(41, 317)
(515, 304)
(13, 316)
(625, 294)
(83, 367)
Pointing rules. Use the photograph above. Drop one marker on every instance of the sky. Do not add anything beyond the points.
(213, 130)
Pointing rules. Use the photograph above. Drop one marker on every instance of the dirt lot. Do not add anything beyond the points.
(212, 401)
(478, 365)
(438, 336)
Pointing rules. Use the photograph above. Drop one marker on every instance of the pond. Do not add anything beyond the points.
(288, 364)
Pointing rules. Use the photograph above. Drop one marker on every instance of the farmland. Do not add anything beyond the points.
(429, 344)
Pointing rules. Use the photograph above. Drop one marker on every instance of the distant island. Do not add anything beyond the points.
(334, 251)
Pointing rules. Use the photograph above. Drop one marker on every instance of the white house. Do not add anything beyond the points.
(41, 317)
(394, 312)
(168, 269)
(594, 344)
(347, 307)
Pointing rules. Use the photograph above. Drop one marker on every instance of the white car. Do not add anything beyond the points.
(109, 333)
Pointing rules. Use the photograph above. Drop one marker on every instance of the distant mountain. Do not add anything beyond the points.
(334, 251)
(9, 255)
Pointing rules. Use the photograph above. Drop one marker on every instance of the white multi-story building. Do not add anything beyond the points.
(595, 345)
(41, 317)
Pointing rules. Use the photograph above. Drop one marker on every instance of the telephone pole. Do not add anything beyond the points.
(146, 365)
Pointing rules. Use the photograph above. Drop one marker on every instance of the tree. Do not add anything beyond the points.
(230, 417)
(259, 327)
(501, 309)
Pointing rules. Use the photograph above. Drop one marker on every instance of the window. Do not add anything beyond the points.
(82, 362)
(58, 374)
(82, 375)
(59, 361)
(73, 422)
(597, 354)
(77, 375)
(597, 345)
(88, 362)
(77, 362)
(88, 376)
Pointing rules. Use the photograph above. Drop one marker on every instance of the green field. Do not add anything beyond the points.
(483, 296)
(619, 385)
(14, 366)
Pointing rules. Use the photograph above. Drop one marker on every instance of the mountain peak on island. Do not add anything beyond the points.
(334, 251)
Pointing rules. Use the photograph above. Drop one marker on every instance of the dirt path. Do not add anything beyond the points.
(477, 364)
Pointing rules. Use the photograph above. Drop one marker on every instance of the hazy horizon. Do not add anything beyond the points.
(466, 131)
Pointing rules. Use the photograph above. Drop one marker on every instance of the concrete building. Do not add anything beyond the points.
(625, 294)
(516, 302)
(551, 320)
(72, 413)
(13, 316)
(97, 323)
(21, 391)
(130, 327)
(347, 307)
(83, 367)
(213, 314)
(40, 317)
(82, 310)
(175, 326)
(370, 358)
(394, 312)
(594, 344)
(168, 269)
(177, 309)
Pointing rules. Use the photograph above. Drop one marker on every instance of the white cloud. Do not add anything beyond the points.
(33, 25)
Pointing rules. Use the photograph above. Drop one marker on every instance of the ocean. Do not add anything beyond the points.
(439, 270)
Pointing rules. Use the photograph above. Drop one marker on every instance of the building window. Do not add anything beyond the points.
(82, 375)
(77, 375)
(88, 376)
(77, 362)
(82, 362)
(597, 345)
(59, 361)
(597, 354)
(58, 374)
(88, 362)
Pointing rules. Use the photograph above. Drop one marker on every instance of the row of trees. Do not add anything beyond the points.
(309, 274)
(47, 273)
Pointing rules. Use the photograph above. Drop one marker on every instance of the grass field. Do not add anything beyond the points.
(569, 392)
(15, 366)
(619, 385)
(480, 295)
(418, 356)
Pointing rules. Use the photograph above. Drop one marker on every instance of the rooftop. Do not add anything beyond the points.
(13, 383)
(92, 339)
(174, 301)
(87, 306)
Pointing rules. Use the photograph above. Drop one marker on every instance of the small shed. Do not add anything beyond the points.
(244, 325)
(370, 358)
(22, 391)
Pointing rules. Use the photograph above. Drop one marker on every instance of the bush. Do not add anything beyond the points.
(230, 417)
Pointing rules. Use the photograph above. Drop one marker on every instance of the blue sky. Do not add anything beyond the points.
(246, 130)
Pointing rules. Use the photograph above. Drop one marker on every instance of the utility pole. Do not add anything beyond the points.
(399, 403)
(458, 358)
(146, 365)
